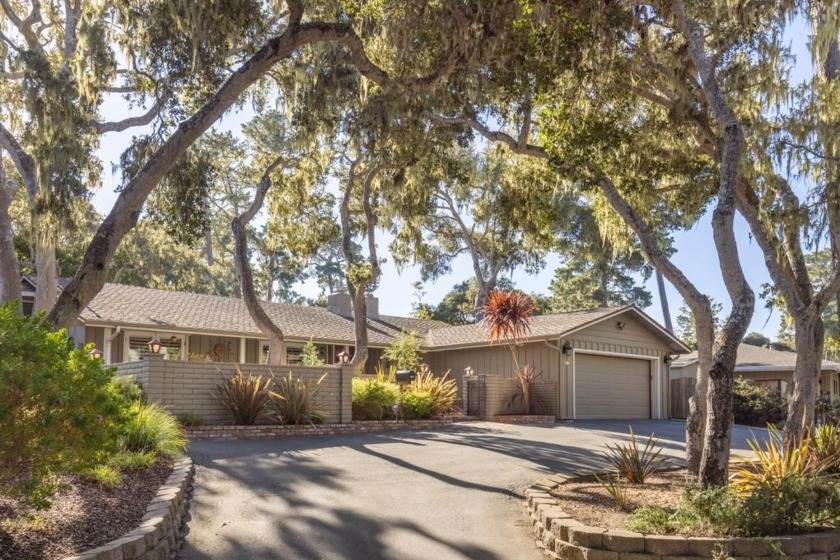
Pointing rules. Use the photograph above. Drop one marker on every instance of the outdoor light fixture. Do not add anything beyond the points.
(154, 345)
(343, 357)
(668, 359)
(424, 368)
(567, 352)
(621, 325)
(96, 354)
(173, 339)
(468, 371)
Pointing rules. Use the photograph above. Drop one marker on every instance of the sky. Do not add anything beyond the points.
(695, 251)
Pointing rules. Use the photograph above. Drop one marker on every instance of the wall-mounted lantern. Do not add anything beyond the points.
(621, 325)
(468, 371)
(669, 359)
(96, 354)
(154, 345)
(343, 357)
(567, 352)
(424, 368)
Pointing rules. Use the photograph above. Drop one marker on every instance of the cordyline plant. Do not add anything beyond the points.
(507, 316)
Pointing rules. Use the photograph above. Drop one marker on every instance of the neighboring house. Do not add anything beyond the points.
(604, 363)
(769, 368)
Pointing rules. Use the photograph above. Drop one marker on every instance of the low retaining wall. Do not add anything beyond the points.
(186, 387)
(276, 432)
(524, 419)
(560, 536)
(160, 533)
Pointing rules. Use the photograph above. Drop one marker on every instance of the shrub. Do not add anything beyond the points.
(374, 399)
(190, 419)
(443, 391)
(296, 402)
(616, 490)
(404, 351)
(417, 404)
(152, 428)
(825, 444)
(58, 410)
(651, 520)
(244, 396)
(309, 355)
(104, 475)
(132, 460)
(828, 410)
(128, 388)
(794, 504)
(525, 377)
(754, 405)
(633, 464)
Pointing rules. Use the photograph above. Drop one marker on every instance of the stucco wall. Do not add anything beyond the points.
(185, 387)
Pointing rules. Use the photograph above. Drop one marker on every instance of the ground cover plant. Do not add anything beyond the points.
(788, 488)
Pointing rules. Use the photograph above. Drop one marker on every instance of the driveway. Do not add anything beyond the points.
(441, 495)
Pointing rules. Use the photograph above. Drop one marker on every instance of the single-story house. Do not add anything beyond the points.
(604, 363)
(767, 367)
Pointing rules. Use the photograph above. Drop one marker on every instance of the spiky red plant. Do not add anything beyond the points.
(507, 315)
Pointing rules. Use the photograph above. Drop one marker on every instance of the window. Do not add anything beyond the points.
(138, 346)
(292, 354)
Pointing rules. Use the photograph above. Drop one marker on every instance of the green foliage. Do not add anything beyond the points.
(417, 404)
(374, 399)
(245, 397)
(296, 402)
(128, 388)
(687, 328)
(442, 390)
(635, 464)
(58, 409)
(152, 428)
(104, 475)
(617, 490)
(526, 376)
(651, 520)
(190, 419)
(757, 339)
(825, 445)
(309, 355)
(132, 460)
(404, 351)
(755, 405)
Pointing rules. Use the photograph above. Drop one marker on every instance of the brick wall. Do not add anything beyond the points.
(185, 387)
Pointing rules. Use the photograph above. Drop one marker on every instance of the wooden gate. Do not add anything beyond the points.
(681, 390)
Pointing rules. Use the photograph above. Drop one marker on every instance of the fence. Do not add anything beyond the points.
(682, 389)
(487, 396)
(186, 387)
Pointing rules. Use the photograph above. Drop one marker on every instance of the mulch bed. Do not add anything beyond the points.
(83, 516)
(590, 503)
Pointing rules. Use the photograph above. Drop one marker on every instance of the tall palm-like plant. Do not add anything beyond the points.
(507, 316)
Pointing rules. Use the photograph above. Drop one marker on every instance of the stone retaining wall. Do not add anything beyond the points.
(524, 419)
(160, 533)
(275, 431)
(560, 536)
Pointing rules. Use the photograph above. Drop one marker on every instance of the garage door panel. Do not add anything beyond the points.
(611, 387)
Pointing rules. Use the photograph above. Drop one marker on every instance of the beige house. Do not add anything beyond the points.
(602, 363)
(770, 368)
(605, 363)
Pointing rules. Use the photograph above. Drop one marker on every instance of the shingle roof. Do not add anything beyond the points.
(145, 307)
(757, 357)
(542, 327)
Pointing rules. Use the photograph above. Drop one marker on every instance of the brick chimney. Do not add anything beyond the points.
(340, 303)
(372, 304)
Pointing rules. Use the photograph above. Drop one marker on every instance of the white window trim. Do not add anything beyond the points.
(654, 359)
(127, 334)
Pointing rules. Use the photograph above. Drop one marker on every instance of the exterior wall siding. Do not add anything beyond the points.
(185, 387)
(95, 335)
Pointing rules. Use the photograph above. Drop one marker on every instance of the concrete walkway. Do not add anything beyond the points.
(452, 494)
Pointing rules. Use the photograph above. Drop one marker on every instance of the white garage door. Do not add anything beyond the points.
(611, 387)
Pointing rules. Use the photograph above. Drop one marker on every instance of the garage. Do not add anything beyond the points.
(611, 387)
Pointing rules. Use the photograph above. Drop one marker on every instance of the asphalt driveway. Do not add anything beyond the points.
(442, 495)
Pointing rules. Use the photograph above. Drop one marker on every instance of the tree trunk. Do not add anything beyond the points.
(9, 267)
(93, 271)
(809, 337)
(663, 301)
(46, 267)
(239, 225)
(695, 424)
(361, 355)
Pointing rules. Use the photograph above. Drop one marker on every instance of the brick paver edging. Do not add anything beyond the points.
(560, 536)
(273, 431)
(525, 419)
(160, 533)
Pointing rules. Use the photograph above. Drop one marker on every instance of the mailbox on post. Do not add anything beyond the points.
(404, 376)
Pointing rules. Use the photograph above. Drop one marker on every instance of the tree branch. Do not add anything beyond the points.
(131, 122)
(22, 160)
(494, 135)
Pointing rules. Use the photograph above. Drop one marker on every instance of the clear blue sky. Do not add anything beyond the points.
(695, 254)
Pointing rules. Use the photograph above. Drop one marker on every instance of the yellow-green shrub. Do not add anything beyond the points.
(374, 399)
